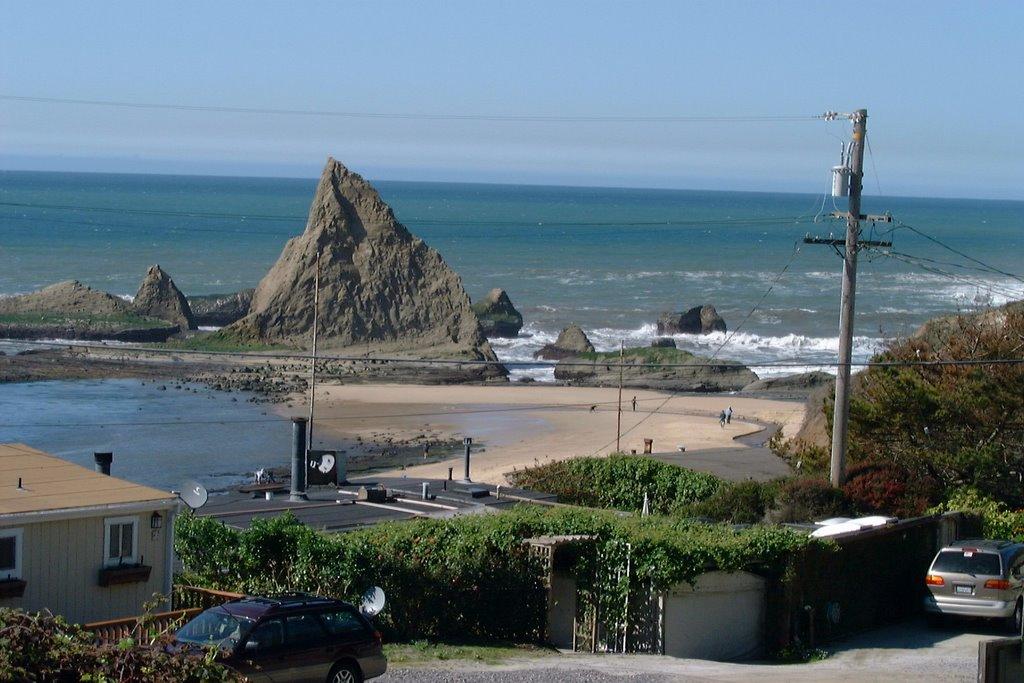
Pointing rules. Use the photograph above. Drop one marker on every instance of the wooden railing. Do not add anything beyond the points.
(140, 628)
(187, 601)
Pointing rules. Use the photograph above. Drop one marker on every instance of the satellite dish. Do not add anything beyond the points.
(373, 602)
(193, 494)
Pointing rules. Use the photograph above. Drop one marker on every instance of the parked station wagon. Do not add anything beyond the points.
(292, 637)
(977, 578)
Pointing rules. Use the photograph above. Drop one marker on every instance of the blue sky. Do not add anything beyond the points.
(941, 81)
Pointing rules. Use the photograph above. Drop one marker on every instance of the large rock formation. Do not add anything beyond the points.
(654, 368)
(801, 384)
(497, 316)
(571, 341)
(380, 286)
(697, 320)
(71, 310)
(159, 297)
(218, 310)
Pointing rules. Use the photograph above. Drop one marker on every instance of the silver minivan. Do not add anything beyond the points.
(977, 578)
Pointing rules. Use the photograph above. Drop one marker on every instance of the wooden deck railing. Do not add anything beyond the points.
(187, 601)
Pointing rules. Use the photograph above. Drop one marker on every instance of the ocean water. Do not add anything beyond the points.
(608, 259)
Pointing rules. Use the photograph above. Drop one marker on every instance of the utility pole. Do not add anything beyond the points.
(618, 418)
(852, 244)
(312, 365)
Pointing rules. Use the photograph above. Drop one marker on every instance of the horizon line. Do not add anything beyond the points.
(498, 184)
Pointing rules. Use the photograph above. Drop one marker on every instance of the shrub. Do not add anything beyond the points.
(41, 647)
(889, 489)
(745, 502)
(998, 520)
(809, 499)
(619, 482)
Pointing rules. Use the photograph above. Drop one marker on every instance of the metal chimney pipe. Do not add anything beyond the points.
(298, 490)
(103, 461)
(468, 442)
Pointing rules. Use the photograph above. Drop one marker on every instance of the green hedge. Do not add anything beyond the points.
(619, 482)
(469, 576)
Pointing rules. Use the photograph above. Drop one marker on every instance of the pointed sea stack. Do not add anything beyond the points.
(159, 297)
(381, 287)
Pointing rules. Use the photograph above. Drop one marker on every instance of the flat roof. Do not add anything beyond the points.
(336, 508)
(49, 483)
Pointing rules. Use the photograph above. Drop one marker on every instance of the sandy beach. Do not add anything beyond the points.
(521, 425)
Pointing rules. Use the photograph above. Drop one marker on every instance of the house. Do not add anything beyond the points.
(78, 542)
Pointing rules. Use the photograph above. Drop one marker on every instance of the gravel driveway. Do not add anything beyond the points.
(910, 653)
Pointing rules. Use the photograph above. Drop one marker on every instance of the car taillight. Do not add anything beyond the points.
(933, 580)
(998, 584)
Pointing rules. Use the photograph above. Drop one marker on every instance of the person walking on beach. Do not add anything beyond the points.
(728, 416)
(721, 419)
(634, 404)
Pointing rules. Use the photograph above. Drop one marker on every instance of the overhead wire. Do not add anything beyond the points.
(425, 116)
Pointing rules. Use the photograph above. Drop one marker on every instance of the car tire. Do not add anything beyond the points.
(344, 672)
(1013, 622)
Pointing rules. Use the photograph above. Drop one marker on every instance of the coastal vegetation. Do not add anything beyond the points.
(455, 578)
(42, 647)
(96, 321)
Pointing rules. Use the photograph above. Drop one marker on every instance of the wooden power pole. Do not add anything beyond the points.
(852, 244)
(312, 363)
(618, 418)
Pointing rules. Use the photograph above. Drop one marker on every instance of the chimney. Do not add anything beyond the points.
(298, 491)
(103, 461)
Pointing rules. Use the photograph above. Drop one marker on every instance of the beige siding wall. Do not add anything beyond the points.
(61, 560)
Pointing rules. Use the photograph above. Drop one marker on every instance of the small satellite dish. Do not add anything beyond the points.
(193, 494)
(373, 602)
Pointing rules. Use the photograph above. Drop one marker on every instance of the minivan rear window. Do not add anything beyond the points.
(967, 562)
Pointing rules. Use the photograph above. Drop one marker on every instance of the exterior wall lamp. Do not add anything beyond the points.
(156, 521)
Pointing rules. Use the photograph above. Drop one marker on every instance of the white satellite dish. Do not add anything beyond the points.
(373, 602)
(193, 494)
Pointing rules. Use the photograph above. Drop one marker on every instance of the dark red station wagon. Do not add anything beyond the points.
(294, 637)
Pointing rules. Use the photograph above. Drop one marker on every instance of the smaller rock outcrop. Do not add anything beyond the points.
(663, 343)
(71, 310)
(801, 384)
(697, 320)
(218, 310)
(497, 316)
(159, 297)
(666, 369)
(571, 341)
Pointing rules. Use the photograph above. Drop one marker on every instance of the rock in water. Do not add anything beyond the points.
(379, 284)
(571, 341)
(220, 309)
(498, 317)
(697, 320)
(159, 297)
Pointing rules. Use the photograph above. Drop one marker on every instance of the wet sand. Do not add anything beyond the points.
(521, 425)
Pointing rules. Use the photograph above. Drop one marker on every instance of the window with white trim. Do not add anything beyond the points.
(120, 541)
(10, 554)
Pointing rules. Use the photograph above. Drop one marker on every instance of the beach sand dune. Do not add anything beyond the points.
(519, 426)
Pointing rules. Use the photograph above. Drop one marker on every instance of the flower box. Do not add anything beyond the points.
(12, 588)
(135, 573)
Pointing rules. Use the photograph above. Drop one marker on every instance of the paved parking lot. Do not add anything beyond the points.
(909, 652)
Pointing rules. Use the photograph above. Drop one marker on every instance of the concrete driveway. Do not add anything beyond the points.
(909, 652)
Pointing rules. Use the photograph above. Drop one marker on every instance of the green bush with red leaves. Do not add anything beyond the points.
(41, 647)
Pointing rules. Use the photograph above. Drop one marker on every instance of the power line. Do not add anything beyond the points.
(916, 261)
(754, 220)
(901, 224)
(509, 118)
(370, 360)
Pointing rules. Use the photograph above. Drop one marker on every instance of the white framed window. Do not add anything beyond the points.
(10, 554)
(120, 541)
